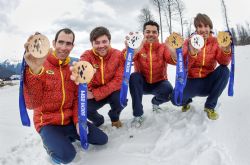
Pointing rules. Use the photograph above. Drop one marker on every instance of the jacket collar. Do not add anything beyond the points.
(52, 58)
(105, 57)
(210, 39)
(155, 45)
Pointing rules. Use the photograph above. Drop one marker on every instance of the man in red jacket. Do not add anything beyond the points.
(203, 78)
(106, 83)
(150, 76)
(53, 96)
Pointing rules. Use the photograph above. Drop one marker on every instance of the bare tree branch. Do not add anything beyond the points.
(159, 4)
(180, 8)
(224, 9)
(145, 16)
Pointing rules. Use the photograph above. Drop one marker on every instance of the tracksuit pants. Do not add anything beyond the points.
(211, 87)
(138, 86)
(113, 100)
(57, 140)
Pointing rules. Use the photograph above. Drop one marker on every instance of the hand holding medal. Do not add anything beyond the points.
(175, 40)
(133, 41)
(197, 41)
(83, 73)
(36, 50)
(224, 41)
(38, 45)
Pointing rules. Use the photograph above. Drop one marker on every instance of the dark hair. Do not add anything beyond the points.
(152, 23)
(99, 31)
(66, 31)
(202, 18)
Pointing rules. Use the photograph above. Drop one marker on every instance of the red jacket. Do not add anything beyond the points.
(152, 62)
(109, 71)
(200, 65)
(51, 94)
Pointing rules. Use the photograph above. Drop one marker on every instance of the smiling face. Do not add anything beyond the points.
(101, 45)
(203, 25)
(151, 33)
(63, 45)
(203, 30)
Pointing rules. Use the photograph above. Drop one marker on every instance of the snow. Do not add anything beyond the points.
(170, 137)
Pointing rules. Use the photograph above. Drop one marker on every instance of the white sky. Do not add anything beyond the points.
(21, 18)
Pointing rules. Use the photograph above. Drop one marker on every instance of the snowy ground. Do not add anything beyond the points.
(167, 138)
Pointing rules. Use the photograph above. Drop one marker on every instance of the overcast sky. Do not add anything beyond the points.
(21, 18)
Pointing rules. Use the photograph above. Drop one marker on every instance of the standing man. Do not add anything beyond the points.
(53, 97)
(150, 76)
(204, 79)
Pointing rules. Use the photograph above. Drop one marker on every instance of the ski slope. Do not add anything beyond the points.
(167, 138)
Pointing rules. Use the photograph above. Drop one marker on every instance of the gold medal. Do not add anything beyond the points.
(224, 39)
(175, 40)
(39, 46)
(85, 71)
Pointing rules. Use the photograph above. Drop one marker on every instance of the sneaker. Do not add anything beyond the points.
(137, 122)
(185, 108)
(211, 114)
(157, 108)
(117, 124)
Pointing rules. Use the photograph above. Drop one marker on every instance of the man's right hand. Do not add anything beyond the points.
(74, 75)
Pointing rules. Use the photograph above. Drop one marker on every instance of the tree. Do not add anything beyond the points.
(180, 9)
(145, 16)
(224, 9)
(234, 38)
(174, 11)
(167, 21)
(189, 28)
(243, 35)
(159, 5)
(168, 12)
(248, 27)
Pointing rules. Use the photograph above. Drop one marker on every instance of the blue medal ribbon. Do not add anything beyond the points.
(180, 79)
(82, 114)
(22, 106)
(231, 76)
(126, 76)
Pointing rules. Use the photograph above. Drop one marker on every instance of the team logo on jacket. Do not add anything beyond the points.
(96, 66)
(50, 72)
(144, 55)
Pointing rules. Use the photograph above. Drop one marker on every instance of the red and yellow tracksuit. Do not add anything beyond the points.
(51, 94)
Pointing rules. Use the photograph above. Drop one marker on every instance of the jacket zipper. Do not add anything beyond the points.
(63, 96)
